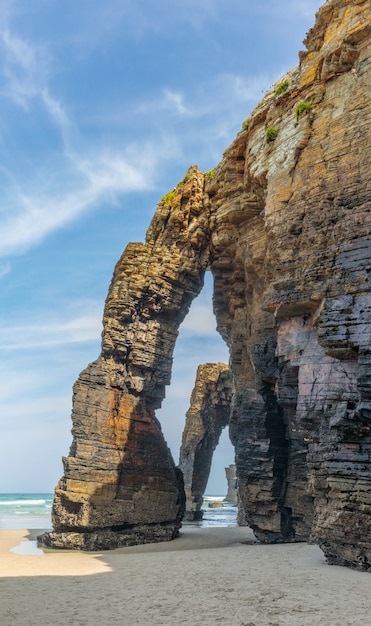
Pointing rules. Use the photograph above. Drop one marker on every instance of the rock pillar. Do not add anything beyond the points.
(231, 476)
(206, 417)
(120, 485)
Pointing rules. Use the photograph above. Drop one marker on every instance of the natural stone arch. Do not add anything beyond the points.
(284, 226)
(120, 484)
(291, 252)
(206, 417)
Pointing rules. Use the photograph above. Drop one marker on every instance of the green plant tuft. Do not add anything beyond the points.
(302, 107)
(186, 177)
(210, 174)
(271, 134)
(169, 197)
(245, 124)
(281, 88)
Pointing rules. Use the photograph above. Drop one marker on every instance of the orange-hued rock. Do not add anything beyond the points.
(292, 295)
(284, 225)
(120, 484)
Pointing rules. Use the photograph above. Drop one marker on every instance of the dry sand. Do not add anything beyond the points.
(208, 576)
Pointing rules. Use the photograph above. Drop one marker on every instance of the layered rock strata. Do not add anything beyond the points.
(231, 476)
(120, 484)
(206, 417)
(291, 258)
(284, 224)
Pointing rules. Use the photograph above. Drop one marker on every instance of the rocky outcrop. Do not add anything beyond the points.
(291, 261)
(284, 225)
(231, 476)
(120, 485)
(206, 417)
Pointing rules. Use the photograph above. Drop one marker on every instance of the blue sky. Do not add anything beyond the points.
(104, 106)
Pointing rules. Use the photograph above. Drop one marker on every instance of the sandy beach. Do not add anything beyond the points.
(205, 577)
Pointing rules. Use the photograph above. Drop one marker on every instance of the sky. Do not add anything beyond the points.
(103, 107)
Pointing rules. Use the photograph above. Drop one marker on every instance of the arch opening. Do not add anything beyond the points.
(120, 484)
(195, 412)
(198, 341)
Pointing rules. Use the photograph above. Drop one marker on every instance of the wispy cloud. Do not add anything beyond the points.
(195, 124)
(223, 92)
(23, 68)
(45, 335)
(58, 114)
(4, 270)
(200, 321)
(176, 99)
(32, 217)
(92, 174)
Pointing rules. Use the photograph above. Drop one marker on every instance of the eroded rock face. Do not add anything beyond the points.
(231, 476)
(206, 417)
(291, 261)
(284, 225)
(120, 485)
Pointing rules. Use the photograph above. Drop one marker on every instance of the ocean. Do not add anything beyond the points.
(223, 516)
(32, 510)
(25, 510)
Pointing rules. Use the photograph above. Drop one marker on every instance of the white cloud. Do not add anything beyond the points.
(4, 270)
(200, 321)
(176, 98)
(49, 334)
(57, 113)
(32, 217)
(24, 68)
(93, 175)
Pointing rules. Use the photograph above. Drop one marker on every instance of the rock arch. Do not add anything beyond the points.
(120, 484)
(284, 226)
(206, 417)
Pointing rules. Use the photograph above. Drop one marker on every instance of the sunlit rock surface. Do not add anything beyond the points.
(120, 485)
(291, 261)
(284, 224)
(231, 476)
(206, 417)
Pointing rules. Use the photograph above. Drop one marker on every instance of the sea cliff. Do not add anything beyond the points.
(283, 223)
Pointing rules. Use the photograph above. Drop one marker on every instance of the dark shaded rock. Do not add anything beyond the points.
(285, 228)
(206, 417)
(120, 483)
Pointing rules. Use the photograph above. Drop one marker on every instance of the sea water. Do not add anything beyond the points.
(33, 510)
(221, 516)
(25, 510)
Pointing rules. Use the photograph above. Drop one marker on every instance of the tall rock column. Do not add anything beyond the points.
(284, 224)
(291, 258)
(230, 474)
(120, 485)
(206, 417)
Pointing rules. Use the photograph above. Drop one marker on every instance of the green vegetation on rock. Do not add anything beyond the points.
(169, 197)
(271, 134)
(281, 88)
(302, 107)
(186, 177)
(210, 174)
